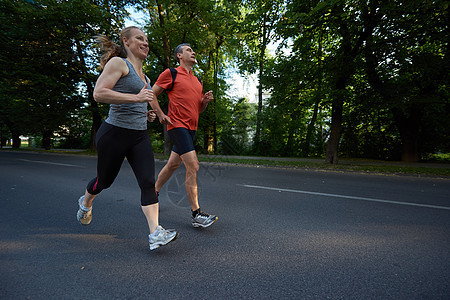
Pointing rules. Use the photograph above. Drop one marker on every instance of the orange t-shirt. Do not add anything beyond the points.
(185, 98)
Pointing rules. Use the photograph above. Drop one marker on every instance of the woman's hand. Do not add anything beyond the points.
(151, 115)
(145, 95)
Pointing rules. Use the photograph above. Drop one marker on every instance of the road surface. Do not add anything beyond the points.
(281, 234)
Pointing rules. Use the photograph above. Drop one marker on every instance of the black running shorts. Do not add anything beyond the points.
(183, 140)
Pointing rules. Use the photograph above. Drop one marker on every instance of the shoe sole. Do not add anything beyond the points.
(86, 223)
(156, 246)
(198, 225)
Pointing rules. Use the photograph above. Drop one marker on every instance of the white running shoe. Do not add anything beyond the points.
(83, 216)
(161, 237)
(203, 219)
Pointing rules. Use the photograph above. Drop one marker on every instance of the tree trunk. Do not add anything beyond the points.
(47, 139)
(331, 155)
(260, 87)
(318, 96)
(96, 122)
(346, 69)
(409, 126)
(165, 38)
(206, 139)
(2, 140)
(166, 64)
(306, 146)
(167, 144)
(289, 148)
(216, 71)
(16, 140)
(96, 117)
(408, 123)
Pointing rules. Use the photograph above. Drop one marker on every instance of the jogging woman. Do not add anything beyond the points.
(124, 86)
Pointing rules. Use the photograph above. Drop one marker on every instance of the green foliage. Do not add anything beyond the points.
(75, 134)
(53, 75)
(409, 43)
(209, 26)
(407, 64)
(378, 69)
(368, 130)
(238, 128)
(40, 81)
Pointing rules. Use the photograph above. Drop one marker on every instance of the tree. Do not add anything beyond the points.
(299, 82)
(58, 62)
(407, 64)
(239, 124)
(208, 27)
(43, 78)
(93, 18)
(258, 30)
(327, 48)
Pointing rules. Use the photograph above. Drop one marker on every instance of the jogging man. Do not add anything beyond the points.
(186, 102)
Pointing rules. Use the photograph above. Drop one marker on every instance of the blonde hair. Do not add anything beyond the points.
(110, 49)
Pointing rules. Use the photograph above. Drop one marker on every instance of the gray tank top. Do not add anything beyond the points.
(129, 115)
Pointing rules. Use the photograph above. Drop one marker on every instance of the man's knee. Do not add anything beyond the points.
(173, 165)
(190, 161)
(192, 165)
(196, 166)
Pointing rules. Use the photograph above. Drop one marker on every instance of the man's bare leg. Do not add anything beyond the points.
(199, 218)
(171, 166)
(192, 166)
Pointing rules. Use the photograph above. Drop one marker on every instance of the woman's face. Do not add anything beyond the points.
(137, 44)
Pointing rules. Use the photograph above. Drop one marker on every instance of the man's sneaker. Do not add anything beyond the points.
(161, 237)
(204, 220)
(83, 216)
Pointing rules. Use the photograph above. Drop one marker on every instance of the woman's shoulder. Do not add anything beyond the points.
(117, 64)
(119, 61)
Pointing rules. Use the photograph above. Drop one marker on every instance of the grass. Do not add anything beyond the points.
(440, 169)
(365, 166)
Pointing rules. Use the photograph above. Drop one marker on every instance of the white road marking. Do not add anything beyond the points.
(346, 197)
(51, 163)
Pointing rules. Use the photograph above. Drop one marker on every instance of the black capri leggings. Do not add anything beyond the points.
(113, 145)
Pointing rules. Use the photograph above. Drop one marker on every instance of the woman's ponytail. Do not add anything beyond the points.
(109, 49)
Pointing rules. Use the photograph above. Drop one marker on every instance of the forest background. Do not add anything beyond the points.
(361, 79)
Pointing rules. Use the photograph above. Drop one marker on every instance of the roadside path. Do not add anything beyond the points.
(342, 161)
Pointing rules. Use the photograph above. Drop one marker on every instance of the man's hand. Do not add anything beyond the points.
(207, 97)
(164, 119)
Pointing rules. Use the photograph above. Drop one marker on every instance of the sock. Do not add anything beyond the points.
(85, 208)
(154, 232)
(195, 212)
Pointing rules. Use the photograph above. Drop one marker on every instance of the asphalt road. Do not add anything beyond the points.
(281, 234)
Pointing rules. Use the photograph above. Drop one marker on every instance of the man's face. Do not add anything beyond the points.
(187, 56)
